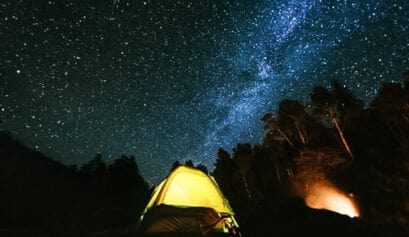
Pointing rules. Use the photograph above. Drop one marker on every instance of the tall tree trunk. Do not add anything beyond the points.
(300, 133)
(283, 135)
(340, 133)
(246, 187)
(272, 125)
(277, 172)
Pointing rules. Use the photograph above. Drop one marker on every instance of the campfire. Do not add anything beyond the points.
(324, 195)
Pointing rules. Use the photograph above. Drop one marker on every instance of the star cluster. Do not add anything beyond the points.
(176, 80)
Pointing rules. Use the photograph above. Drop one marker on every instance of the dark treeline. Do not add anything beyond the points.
(363, 150)
(360, 149)
(41, 197)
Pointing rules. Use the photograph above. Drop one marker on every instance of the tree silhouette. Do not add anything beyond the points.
(406, 82)
(224, 171)
(96, 165)
(348, 107)
(241, 155)
(291, 116)
(325, 104)
(203, 168)
(273, 130)
(189, 163)
(175, 165)
(392, 106)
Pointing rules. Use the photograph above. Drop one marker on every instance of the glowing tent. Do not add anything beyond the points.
(188, 203)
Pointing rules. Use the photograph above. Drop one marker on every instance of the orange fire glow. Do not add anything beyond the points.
(325, 195)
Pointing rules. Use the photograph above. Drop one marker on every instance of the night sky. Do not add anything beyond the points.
(175, 80)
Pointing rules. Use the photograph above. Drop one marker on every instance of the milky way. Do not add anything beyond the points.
(176, 80)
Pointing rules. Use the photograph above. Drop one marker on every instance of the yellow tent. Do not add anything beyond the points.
(188, 201)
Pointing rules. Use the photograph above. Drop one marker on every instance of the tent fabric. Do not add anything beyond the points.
(164, 219)
(188, 201)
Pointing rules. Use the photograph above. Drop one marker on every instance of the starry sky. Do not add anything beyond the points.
(168, 80)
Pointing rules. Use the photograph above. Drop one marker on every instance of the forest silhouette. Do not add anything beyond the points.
(335, 138)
